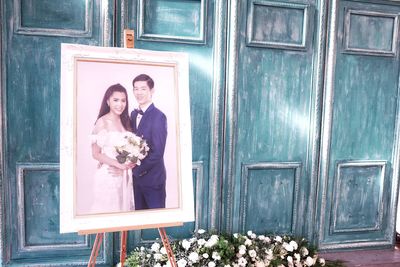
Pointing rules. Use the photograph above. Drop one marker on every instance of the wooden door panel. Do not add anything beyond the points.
(360, 138)
(31, 41)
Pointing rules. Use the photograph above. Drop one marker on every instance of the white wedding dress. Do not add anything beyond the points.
(111, 193)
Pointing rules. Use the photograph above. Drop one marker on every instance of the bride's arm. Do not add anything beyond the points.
(96, 149)
(103, 158)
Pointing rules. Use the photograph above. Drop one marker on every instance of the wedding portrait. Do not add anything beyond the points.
(130, 120)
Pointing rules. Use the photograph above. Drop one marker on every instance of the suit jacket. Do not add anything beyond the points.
(153, 128)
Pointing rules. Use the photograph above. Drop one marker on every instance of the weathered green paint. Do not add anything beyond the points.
(285, 138)
(273, 107)
(171, 33)
(31, 41)
(361, 128)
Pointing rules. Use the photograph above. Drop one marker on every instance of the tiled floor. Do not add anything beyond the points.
(367, 258)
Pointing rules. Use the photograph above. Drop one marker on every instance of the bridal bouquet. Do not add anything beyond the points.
(131, 148)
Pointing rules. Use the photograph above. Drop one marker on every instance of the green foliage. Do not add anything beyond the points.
(211, 250)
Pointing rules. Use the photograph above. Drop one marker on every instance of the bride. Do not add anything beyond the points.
(111, 192)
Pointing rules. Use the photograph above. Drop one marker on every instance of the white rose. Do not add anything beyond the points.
(297, 256)
(155, 247)
(201, 241)
(157, 256)
(293, 244)
(211, 264)
(216, 256)
(309, 261)
(287, 246)
(205, 255)
(261, 237)
(322, 261)
(252, 253)
(182, 263)
(260, 264)
(163, 251)
(248, 242)
(185, 244)
(193, 257)
(242, 262)
(304, 251)
(157, 265)
(201, 231)
(249, 233)
(235, 235)
(278, 239)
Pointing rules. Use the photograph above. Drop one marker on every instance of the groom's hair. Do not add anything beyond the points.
(144, 78)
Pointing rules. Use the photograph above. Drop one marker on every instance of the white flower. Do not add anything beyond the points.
(157, 265)
(252, 253)
(212, 241)
(141, 248)
(293, 244)
(304, 251)
(205, 255)
(248, 242)
(287, 246)
(242, 262)
(242, 250)
(249, 233)
(211, 264)
(201, 231)
(260, 264)
(261, 237)
(157, 256)
(227, 265)
(297, 256)
(163, 251)
(309, 261)
(322, 261)
(193, 257)
(216, 256)
(290, 261)
(278, 239)
(267, 240)
(236, 235)
(185, 244)
(155, 247)
(201, 241)
(281, 265)
(182, 263)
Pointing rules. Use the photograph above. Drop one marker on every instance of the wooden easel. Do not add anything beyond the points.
(124, 234)
(129, 43)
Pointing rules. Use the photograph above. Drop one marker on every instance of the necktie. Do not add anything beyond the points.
(139, 111)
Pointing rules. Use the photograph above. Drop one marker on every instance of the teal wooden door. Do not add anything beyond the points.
(192, 27)
(31, 35)
(294, 108)
(360, 136)
(273, 115)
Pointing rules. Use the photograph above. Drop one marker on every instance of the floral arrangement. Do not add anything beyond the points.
(211, 250)
(131, 148)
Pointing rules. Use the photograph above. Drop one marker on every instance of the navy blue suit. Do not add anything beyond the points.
(149, 177)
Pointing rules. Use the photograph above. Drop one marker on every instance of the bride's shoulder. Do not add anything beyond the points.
(100, 125)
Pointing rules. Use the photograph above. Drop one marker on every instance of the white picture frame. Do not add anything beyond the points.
(86, 72)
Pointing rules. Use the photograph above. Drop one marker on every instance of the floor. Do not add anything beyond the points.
(367, 258)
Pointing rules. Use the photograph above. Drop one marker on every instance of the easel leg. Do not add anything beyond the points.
(167, 247)
(95, 249)
(122, 255)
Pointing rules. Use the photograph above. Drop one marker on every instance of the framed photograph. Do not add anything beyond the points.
(125, 139)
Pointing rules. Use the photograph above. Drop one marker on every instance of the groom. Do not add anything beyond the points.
(149, 123)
